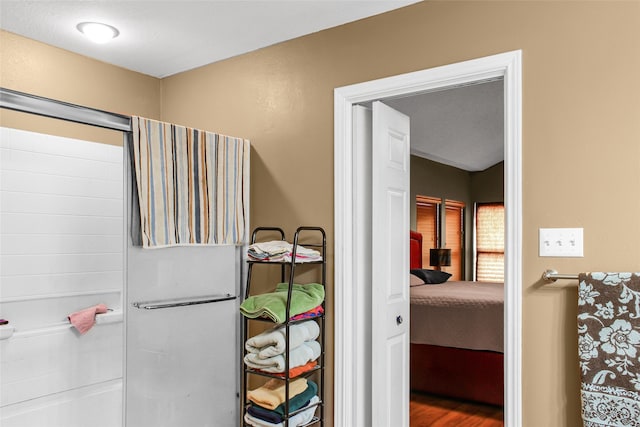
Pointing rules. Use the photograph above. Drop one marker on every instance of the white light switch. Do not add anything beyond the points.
(561, 242)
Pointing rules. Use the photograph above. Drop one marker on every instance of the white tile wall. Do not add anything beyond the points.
(61, 250)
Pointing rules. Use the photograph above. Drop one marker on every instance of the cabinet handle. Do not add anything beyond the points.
(399, 320)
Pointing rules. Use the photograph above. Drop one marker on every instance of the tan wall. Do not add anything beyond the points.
(39, 69)
(580, 134)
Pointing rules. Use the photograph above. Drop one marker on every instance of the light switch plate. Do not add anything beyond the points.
(561, 242)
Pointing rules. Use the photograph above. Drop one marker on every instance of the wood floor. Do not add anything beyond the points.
(433, 411)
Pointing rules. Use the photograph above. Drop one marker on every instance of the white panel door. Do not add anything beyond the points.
(390, 280)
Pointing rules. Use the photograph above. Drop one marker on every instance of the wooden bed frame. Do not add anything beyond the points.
(454, 372)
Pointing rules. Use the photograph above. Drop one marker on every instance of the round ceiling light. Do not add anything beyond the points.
(98, 32)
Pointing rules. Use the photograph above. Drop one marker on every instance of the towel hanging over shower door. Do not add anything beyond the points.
(182, 367)
(192, 185)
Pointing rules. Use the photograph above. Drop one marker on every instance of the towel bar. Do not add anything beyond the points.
(112, 316)
(153, 305)
(552, 276)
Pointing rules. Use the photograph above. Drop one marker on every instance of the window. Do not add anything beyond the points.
(428, 219)
(489, 242)
(427, 209)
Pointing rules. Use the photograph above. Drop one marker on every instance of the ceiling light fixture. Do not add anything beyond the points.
(98, 32)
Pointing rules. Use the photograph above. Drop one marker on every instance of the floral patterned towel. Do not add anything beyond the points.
(609, 348)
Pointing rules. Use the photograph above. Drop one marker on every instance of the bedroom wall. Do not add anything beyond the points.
(429, 178)
(485, 186)
(488, 185)
(580, 136)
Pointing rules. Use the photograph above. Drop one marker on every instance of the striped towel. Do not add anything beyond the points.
(192, 185)
(608, 347)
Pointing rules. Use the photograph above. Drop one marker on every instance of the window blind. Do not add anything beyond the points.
(490, 242)
(453, 237)
(427, 225)
(427, 213)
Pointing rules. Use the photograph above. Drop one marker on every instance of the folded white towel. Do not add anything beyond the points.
(273, 247)
(273, 341)
(299, 419)
(278, 247)
(305, 352)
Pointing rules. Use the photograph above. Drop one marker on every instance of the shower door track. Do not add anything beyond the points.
(27, 103)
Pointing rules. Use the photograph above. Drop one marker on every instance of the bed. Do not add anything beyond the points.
(456, 337)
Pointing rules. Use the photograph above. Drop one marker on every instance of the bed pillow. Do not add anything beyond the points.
(431, 276)
(415, 280)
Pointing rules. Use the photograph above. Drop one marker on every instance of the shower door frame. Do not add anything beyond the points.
(47, 107)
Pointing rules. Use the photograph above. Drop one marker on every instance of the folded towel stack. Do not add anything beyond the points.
(273, 305)
(273, 341)
(304, 353)
(266, 350)
(278, 250)
(290, 352)
(267, 407)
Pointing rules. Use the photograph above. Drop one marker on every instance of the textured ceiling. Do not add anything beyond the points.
(161, 38)
(460, 127)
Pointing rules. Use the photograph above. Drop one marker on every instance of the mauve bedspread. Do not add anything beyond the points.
(458, 314)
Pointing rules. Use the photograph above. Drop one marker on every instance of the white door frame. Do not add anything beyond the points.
(350, 402)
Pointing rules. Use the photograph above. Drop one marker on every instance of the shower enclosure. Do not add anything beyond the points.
(166, 352)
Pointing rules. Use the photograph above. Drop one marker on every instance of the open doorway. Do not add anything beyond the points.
(352, 404)
(457, 333)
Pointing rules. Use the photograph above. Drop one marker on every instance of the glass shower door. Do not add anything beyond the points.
(182, 367)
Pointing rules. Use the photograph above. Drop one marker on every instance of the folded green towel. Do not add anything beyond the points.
(274, 304)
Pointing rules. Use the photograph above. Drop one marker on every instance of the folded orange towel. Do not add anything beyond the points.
(298, 370)
(272, 393)
(84, 320)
